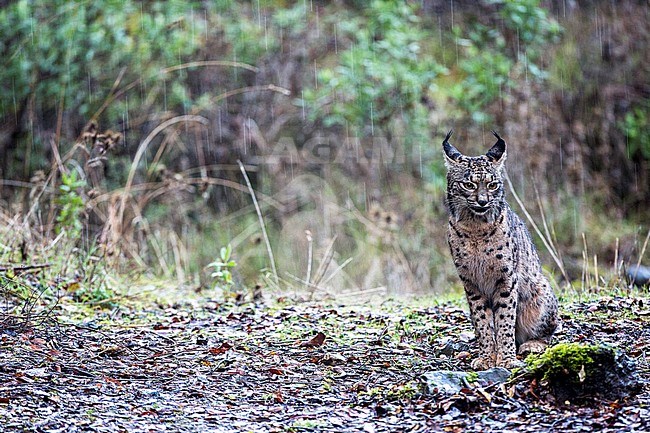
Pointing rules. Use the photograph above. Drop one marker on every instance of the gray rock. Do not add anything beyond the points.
(450, 382)
(493, 375)
(450, 347)
(639, 275)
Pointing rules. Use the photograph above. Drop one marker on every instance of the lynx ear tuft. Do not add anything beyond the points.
(497, 153)
(452, 154)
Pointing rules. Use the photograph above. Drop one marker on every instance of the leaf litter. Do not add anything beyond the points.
(303, 367)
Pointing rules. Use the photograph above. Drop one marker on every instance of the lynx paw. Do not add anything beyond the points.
(510, 363)
(482, 363)
(532, 346)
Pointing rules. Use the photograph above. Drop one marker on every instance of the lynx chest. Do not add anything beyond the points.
(482, 257)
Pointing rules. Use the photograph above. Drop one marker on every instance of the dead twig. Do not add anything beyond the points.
(209, 63)
(22, 268)
(309, 285)
(547, 242)
(310, 254)
(325, 262)
(337, 270)
(261, 220)
(140, 152)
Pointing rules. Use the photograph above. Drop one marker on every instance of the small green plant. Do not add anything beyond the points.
(404, 391)
(377, 391)
(12, 287)
(99, 295)
(471, 377)
(222, 275)
(71, 205)
(636, 126)
(307, 424)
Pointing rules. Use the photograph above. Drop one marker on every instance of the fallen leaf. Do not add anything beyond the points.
(148, 412)
(71, 287)
(37, 344)
(277, 371)
(221, 349)
(317, 341)
(113, 381)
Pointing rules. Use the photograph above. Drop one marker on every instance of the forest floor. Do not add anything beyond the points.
(295, 367)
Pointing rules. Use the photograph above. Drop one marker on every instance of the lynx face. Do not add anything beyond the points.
(475, 183)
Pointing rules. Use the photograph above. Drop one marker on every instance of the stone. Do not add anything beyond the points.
(639, 275)
(450, 347)
(450, 382)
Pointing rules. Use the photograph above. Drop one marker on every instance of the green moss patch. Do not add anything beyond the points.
(567, 359)
(575, 371)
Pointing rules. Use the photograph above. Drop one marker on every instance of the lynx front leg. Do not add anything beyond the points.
(504, 307)
(483, 322)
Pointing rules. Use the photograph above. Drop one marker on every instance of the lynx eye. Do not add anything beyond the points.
(469, 185)
(493, 186)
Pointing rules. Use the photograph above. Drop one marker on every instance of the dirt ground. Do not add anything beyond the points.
(295, 367)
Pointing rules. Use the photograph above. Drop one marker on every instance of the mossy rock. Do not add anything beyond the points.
(580, 371)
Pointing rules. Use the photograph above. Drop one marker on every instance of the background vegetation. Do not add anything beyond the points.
(122, 124)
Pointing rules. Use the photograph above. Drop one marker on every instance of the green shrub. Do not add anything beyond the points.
(64, 48)
(636, 126)
(488, 64)
(68, 55)
(71, 205)
(382, 75)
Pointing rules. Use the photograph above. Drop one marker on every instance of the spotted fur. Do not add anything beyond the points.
(511, 302)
